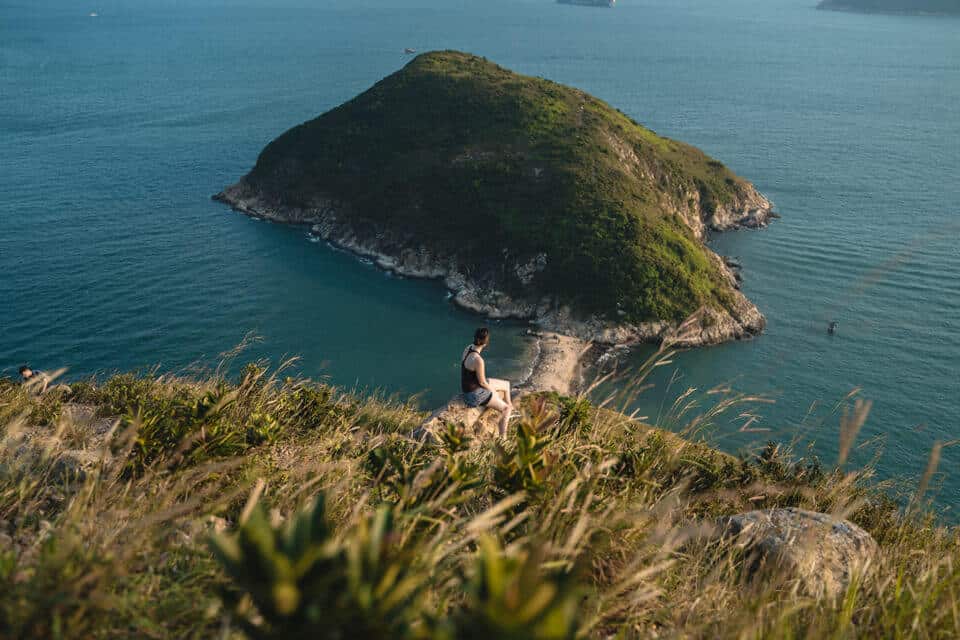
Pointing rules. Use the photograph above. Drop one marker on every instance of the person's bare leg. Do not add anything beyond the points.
(505, 420)
(501, 386)
(505, 409)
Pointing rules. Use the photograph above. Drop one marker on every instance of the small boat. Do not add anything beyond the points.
(409, 51)
(94, 14)
(832, 327)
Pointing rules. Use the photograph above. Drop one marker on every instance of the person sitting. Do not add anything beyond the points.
(478, 390)
(36, 380)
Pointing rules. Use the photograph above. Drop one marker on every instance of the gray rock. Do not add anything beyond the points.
(821, 551)
(479, 423)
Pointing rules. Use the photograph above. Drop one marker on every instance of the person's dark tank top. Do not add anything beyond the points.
(468, 379)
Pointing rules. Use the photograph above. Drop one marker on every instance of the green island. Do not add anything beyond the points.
(272, 507)
(529, 198)
(934, 7)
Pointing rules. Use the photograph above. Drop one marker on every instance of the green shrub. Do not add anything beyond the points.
(525, 466)
(309, 407)
(511, 597)
(575, 415)
(17, 401)
(180, 422)
(406, 475)
(185, 428)
(55, 594)
(303, 582)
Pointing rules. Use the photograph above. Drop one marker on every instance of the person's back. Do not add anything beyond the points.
(469, 382)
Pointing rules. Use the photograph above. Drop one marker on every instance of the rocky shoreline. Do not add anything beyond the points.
(327, 220)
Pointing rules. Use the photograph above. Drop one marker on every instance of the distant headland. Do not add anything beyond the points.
(530, 200)
(930, 7)
(590, 3)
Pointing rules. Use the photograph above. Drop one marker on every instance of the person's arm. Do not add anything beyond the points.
(482, 375)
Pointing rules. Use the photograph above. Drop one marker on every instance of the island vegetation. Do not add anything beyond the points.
(526, 195)
(938, 7)
(273, 507)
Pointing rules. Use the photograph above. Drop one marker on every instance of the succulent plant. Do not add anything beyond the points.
(303, 582)
(510, 597)
(524, 467)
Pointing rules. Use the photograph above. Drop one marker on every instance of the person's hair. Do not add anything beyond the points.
(481, 336)
(23, 368)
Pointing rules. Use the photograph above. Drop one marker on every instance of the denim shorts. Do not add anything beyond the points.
(477, 398)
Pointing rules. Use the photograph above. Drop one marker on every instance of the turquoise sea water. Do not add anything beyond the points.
(116, 129)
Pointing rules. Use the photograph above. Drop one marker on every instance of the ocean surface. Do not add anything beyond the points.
(115, 129)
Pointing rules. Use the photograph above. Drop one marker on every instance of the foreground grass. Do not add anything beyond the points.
(119, 503)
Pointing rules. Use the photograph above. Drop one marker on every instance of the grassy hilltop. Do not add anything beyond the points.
(279, 508)
(490, 168)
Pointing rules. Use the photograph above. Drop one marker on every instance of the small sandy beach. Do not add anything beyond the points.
(558, 364)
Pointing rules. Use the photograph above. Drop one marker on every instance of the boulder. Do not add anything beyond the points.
(479, 423)
(821, 551)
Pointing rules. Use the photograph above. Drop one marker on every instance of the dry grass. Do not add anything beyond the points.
(423, 541)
